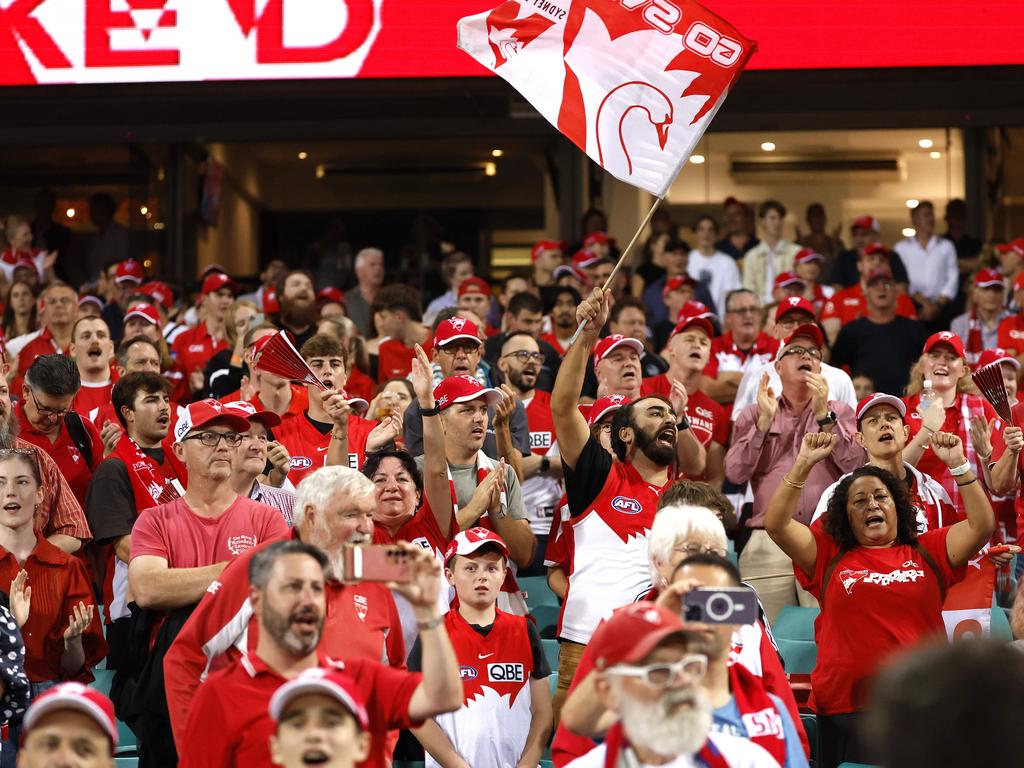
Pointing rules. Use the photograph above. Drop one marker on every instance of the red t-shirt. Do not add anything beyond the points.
(394, 359)
(93, 400)
(65, 453)
(192, 349)
(877, 602)
(229, 724)
(43, 344)
(849, 304)
(421, 529)
(551, 339)
(359, 384)
(307, 445)
(186, 540)
(1010, 335)
(298, 403)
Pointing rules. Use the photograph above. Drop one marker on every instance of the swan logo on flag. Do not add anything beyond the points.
(633, 83)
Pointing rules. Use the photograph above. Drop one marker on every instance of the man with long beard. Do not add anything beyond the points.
(228, 722)
(298, 307)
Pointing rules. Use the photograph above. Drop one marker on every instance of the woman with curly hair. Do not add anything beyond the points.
(880, 585)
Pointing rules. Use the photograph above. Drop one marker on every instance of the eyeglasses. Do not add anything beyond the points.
(524, 357)
(454, 349)
(60, 301)
(46, 411)
(212, 439)
(812, 352)
(690, 669)
(693, 548)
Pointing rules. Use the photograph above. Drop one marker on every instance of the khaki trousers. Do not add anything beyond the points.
(569, 655)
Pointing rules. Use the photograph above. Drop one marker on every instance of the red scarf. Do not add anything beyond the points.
(975, 345)
(150, 485)
(615, 742)
(760, 716)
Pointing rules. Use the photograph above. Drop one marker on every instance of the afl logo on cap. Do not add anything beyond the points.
(626, 505)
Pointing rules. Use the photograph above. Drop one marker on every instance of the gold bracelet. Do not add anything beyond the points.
(791, 484)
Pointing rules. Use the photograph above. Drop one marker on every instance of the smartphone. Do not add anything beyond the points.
(721, 605)
(378, 562)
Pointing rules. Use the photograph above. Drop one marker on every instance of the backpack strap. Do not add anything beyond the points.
(76, 431)
(930, 562)
(829, 569)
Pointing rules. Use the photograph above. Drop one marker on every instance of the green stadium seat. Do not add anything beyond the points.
(409, 764)
(546, 764)
(553, 683)
(1001, 625)
(546, 617)
(810, 724)
(537, 591)
(798, 656)
(856, 765)
(127, 743)
(126, 762)
(795, 623)
(551, 652)
(104, 679)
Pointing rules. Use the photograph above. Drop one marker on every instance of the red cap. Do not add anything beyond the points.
(455, 328)
(987, 277)
(807, 254)
(694, 313)
(330, 294)
(92, 298)
(784, 279)
(202, 412)
(329, 682)
(869, 223)
(871, 248)
(545, 245)
(997, 355)
(677, 282)
(469, 541)
(1017, 246)
(25, 262)
(461, 388)
(793, 304)
(879, 272)
(77, 697)
(583, 259)
(217, 280)
(268, 419)
(474, 285)
(597, 238)
(616, 340)
(568, 269)
(808, 331)
(631, 633)
(143, 311)
(271, 305)
(129, 271)
(880, 398)
(945, 337)
(604, 406)
(160, 291)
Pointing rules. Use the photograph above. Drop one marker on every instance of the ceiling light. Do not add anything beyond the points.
(925, 143)
(303, 155)
(158, 225)
(768, 146)
(143, 210)
(935, 155)
(697, 159)
(70, 212)
(147, 263)
(490, 169)
(497, 152)
(909, 231)
(320, 172)
(911, 203)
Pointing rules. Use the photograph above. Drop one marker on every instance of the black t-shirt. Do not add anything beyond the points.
(584, 484)
(885, 352)
(541, 668)
(110, 500)
(220, 377)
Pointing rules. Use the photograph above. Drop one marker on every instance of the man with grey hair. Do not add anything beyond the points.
(333, 506)
(369, 277)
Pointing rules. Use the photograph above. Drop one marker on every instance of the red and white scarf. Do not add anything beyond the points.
(970, 407)
(758, 712)
(150, 485)
(975, 342)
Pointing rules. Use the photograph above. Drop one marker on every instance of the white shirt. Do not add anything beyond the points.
(932, 270)
(738, 753)
(840, 386)
(718, 273)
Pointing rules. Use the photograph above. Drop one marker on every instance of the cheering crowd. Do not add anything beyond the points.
(343, 569)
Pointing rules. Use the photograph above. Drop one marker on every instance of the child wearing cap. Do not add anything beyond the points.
(505, 718)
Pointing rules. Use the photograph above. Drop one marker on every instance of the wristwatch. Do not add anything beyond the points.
(430, 411)
(545, 464)
(829, 420)
(684, 423)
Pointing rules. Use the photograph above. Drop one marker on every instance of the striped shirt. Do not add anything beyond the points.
(280, 498)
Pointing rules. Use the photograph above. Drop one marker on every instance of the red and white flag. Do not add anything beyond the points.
(633, 83)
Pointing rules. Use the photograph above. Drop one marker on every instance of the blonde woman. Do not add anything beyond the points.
(236, 324)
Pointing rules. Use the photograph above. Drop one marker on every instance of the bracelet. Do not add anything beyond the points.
(972, 480)
(430, 411)
(791, 484)
(963, 469)
(336, 436)
(434, 623)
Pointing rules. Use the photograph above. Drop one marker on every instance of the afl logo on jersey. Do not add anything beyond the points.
(626, 505)
(468, 673)
(301, 462)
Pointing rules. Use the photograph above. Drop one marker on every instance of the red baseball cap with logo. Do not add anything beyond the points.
(330, 682)
(455, 329)
(603, 406)
(945, 337)
(806, 255)
(469, 541)
(616, 340)
(880, 398)
(78, 698)
(793, 304)
(330, 294)
(677, 282)
(583, 259)
(879, 273)
(997, 355)
(597, 238)
(474, 285)
(217, 280)
(143, 311)
(631, 633)
(545, 245)
(1017, 246)
(129, 271)
(988, 277)
(268, 419)
(868, 223)
(808, 331)
(785, 279)
(461, 388)
(694, 313)
(160, 291)
(203, 412)
(872, 248)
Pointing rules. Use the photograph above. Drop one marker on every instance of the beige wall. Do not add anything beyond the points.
(234, 241)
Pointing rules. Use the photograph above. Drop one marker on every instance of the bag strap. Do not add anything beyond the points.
(76, 431)
(829, 568)
(930, 562)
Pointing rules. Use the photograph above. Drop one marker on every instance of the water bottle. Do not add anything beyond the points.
(928, 395)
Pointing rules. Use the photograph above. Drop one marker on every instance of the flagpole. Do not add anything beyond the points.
(622, 259)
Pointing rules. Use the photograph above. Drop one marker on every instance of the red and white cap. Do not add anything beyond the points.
(268, 419)
(470, 540)
(869, 223)
(329, 682)
(474, 285)
(677, 282)
(616, 340)
(461, 388)
(76, 697)
(202, 412)
(694, 313)
(793, 304)
(143, 311)
(357, 404)
(568, 269)
(217, 280)
(880, 398)
(25, 262)
(129, 271)
(91, 298)
(597, 238)
(806, 255)
(160, 291)
(631, 633)
(330, 294)
(808, 331)
(988, 277)
(604, 406)
(945, 337)
(1017, 246)
(872, 248)
(583, 259)
(785, 279)
(456, 329)
(545, 245)
(997, 355)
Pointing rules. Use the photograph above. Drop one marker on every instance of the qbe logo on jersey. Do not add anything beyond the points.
(506, 672)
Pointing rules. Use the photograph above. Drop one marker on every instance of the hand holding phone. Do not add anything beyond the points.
(376, 563)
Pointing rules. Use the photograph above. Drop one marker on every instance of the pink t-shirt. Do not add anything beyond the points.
(186, 540)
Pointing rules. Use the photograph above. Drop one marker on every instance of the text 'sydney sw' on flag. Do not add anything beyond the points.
(633, 83)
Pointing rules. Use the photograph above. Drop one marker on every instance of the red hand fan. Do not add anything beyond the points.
(989, 380)
(277, 355)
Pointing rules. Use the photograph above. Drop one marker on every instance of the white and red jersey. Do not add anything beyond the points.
(850, 304)
(10, 258)
(308, 446)
(92, 400)
(492, 726)
(727, 357)
(541, 492)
